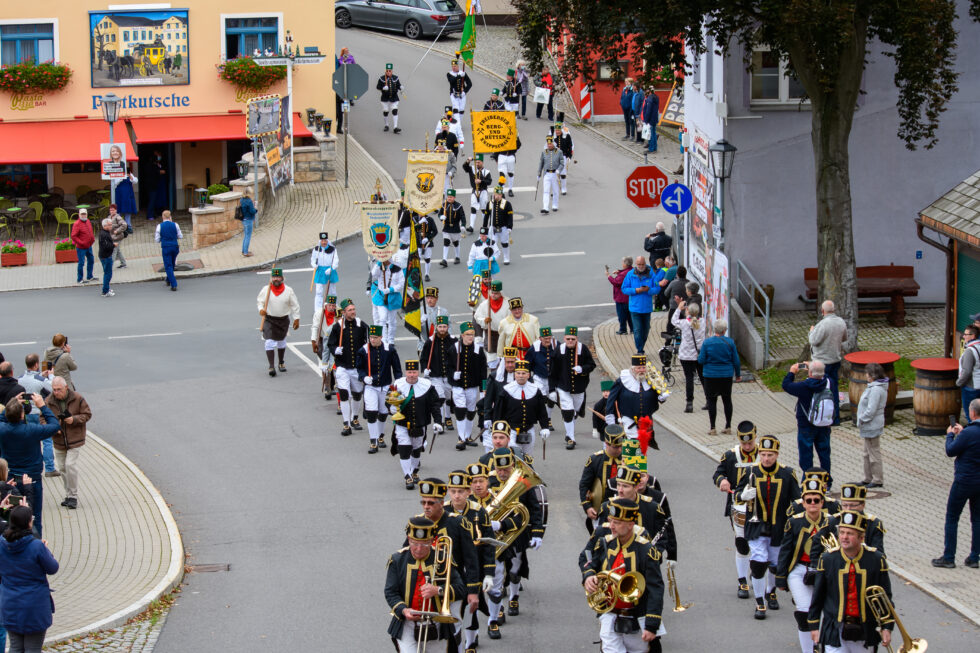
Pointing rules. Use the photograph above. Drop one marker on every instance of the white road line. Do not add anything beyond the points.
(17, 344)
(552, 254)
(266, 272)
(562, 308)
(145, 335)
(313, 366)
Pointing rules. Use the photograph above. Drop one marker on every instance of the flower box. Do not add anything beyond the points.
(11, 260)
(66, 256)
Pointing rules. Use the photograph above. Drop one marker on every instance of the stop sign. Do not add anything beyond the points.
(644, 186)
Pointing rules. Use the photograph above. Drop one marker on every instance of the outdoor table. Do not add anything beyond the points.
(858, 379)
(14, 215)
(936, 395)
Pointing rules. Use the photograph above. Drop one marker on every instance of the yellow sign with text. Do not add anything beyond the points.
(494, 131)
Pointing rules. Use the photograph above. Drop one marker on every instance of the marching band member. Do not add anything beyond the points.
(325, 262)
(469, 373)
(377, 367)
(438, 352)
(387, 283)
(632, 397)
(650, 515)
(498, 217)
(500, 439)
(418, 409)
(519, 329)
(521, 405)
(277, 303)
(573, 363)
(830, 506)
(600, 470)
(453, 217)
(488, 315)
(852, 497)
(323, 321)
(732, 467)
(347, 336)
(497, 379)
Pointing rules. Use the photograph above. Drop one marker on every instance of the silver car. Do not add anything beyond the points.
(415, 18)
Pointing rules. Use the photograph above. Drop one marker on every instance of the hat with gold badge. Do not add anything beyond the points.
(421, 529)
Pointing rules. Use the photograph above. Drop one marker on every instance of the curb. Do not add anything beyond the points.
(922, 584)
(175, 571)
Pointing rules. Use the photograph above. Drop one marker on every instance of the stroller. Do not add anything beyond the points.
(668, 354)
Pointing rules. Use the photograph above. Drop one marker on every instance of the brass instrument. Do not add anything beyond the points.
(829, 542)
(613, 587)
(884, 613)
(395, 398)
(595, 494)
(443, 559)
(507, 503)
(750, 505)
(656, 381)
(672, 588)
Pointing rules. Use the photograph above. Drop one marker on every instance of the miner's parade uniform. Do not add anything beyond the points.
(323, 321)
(431, 312)
(425, 233)
(549, 165)
(377, 367)
(539, 356)
(512, 92)
(454, 127)
(419, 407)
(459, 85)
(498, 218)
(518, 332)
(769, 492)
(494, 103)
(507, 166)
(347, 336)
(325, 263)
(453, 217)
(735, 464)
(597, 483)
(488, 316)
(483, 255)
(439, 354)
(390, 86)
(570, 378)
(522, 405)
(406, 218)
(445, 136)
(874, 530)
(387, 283)
(830, 506)
(469, 373)
(480, 182)
(650, 516)
(277, 304)
(563, 142)
(632, 398)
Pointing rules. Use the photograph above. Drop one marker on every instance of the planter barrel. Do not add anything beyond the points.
(66, 256)
(935, 396)
(858, 380)
(11, 260)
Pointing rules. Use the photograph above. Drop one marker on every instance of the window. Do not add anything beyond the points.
(125, 35)
(30, 42)
(243, 36)
(605, 70)
(23, 179)
(770, 84)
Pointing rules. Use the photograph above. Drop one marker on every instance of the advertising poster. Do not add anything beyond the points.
(716, 287)
(263, 115)
(113, 158)
(138, 48)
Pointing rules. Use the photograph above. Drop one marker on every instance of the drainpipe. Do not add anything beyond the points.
(950, 283)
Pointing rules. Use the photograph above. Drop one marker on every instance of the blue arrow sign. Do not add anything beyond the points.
(676, 199)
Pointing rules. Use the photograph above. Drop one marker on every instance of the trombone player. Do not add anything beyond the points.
(631, 626)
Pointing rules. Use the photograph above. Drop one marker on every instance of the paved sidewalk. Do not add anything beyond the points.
(301, 207)
(917, 472)
(118, 551)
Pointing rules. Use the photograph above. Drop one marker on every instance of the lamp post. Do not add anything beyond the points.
(722, 156)
(110, 113)
(289, 93)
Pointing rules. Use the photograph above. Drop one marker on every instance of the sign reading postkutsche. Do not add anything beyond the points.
(425, 180)
(494, 131)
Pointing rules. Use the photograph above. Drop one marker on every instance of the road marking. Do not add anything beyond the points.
(145, 335)
(17, 344)
(563, 308)
(266, 272)
(552, 254)
(313, 366)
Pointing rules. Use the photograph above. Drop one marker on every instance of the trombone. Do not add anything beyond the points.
(884, 613)
(672, 588)
(443, 560)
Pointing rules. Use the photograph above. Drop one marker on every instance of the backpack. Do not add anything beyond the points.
(821, 411)
(239, 214)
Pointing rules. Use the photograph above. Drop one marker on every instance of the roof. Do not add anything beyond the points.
(957, 213)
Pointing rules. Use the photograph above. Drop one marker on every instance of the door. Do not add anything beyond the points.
(398, 12)
(369, 13)
(148, 178)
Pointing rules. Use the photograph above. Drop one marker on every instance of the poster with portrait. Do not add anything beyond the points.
(139, 48)
(113, 158)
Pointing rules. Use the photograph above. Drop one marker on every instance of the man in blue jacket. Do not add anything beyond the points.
(636, 100)
(651, 114)
(809, 436)
(639, 286)
(626, 104)
(963, 443)
(168, 234)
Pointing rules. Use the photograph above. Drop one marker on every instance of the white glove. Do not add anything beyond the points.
(577, 369)
(664, 396)
(487, 584)
(368, 380)
(486, 423)
(392, 410)
(437, 428)
(545, 433)
(535, 543)
(748, 494)
(495, 525)
(553, 396)
(671, 564)
(624, 420)
(339, 351)
(457, 375)
(386, 291)
(610, 420)
(426, 372)
(595, 433)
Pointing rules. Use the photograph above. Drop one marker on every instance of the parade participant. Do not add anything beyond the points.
(830, 506)
(452, 216)
(521, 405)
(494, 103)
(419, 408)
(459, 85)
(483, 255)
(277, 303)
(507, 166)
(325, 262)
(469, 373)
(499, 219)
(347, 335)
(573, 363)
(323, 321)
(412, 584)
(406, 218)
(439, 354)
(499, 376)
(480, 181)
(563, 142)
(768, 488)
(479, 474)
(599, 409)
(518, 330)
(734, 464)
(512, 92)
(377, 368)
(539, 356)
(842, 578)
(628, 627)
(387, 283)
(651, 515)
(595, 485)
(794, 571)
(425, 232)
(500, 438)
(444, 136)
(853, 497)
(450, 166)
(632, 397)
(454, 127)
(551, 162)
(390, 86)
(488, 315)
(430, 311)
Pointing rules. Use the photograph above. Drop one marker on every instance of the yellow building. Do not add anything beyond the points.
(163, 64)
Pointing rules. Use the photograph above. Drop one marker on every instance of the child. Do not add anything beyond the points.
(599, 423)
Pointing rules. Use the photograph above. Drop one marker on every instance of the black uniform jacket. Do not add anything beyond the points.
(652, 518)
(476, 520)
(520, 413)
(598, 466)
(480, 180)
(798, 543)
(535, 526)
(830, 593)
(423, 407)
(631, 397)
(471, 361)
(384, 365)
(562, 376)
(874, 534)
(459, 83)
(394, 85)
(349, 334)
(727, 470)
(439, 356)
(775, 490)
(402, 576)
(458, 528)
(638, 556)
(453, 216)
(498, 214)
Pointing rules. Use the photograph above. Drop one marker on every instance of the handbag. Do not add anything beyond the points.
(542, 95)
(645, 132)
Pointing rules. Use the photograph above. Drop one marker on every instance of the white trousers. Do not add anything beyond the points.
(459, 103)
(445, 391)
(478, 203)
(849, 647)
(388, 319)
(568, 401)
(527, 448)
(407, 642)
(403, 438)
(346, 379)
(502, 238)
(506, 164)
(761, 551)
(563, 174)
(550, 191)
(801, 593)
(613, 642)
(386, 108)
(466, 398)
(318, 297)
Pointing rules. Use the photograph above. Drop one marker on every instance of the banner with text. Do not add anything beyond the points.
(494, 131)
(425, 180)
(379, 229)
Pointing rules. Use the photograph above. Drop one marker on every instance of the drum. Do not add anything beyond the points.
(738, 514)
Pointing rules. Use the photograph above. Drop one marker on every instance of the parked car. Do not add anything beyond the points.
(415, 18)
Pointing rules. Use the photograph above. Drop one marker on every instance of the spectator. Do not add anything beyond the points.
(636, 106)
(106, 248)
(158, 185)
(969, 379)
(168, 234)
(11, 486)
(82, 237)
(691, 329)
(693, 294)
(826, 338)
(523, 84)
(545, 80)
(37, 382)
(808, 435)
(719, 363)
(626, 104)
(651, 115)
(20, 445)
(676, 292)
(26, 605)
(74, 412)
(963, 443)
(248, 222)
(9, 387)
(621, 300)
(345, 57)
(58, 359)
(871, 422)
(670, 272)
(658, 243)
(638, 286)
(120, 230)
(126, 199)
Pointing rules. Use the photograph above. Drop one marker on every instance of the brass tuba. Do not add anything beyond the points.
(613, 587)
(506, 502)
(884, 613)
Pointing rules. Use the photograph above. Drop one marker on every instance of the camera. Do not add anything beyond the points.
(63, 416)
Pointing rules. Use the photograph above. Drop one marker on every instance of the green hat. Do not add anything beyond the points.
(496, 286)
(375, 330)
(510, 71)
(605, 385)
(455, 62)
(545, 332)
(389, 66)
(466, 326)
(495, 91)
(558, 124)
(451, 192)
(444, 122)
(571, 331)
(344, 303)
(498, 189)
(632, 455)
(478, 157)
(442, 319)
(412, 366)
(403, 192)
(486, 274)
(276, 272)
(331, 299)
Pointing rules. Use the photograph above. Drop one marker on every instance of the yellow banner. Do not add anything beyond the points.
(379, 229)
(494, 131)
(425, 181)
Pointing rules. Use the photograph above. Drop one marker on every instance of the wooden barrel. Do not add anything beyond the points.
(858, 380)
(935, 396)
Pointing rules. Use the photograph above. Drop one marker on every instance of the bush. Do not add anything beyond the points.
(13, 247)
(216, 189)
(62, 245)
(28, 76)
(246, 74)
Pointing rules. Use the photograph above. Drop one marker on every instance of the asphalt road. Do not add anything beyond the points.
(259, 477)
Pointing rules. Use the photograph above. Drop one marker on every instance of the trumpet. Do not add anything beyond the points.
(443, 561)
(613, 587)
(884, 613)
(672, 588)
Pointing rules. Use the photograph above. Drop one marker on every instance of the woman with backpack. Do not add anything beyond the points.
(871, 422)
(719, 364)
(686, 319)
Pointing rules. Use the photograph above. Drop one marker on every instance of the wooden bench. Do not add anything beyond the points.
(893, 281)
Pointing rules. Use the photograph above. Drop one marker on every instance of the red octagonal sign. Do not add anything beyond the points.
(644, 186)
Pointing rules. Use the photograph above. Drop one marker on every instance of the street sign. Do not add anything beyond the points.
(301, 60)
(676, 199)
(645, 185)
(357, 81)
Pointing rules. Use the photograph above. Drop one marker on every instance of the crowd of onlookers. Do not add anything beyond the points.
(641, 113)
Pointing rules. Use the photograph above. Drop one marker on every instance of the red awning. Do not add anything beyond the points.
(57, 141)
(181, 129)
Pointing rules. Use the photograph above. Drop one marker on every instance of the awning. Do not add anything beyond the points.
(57, 141)
(182, 129)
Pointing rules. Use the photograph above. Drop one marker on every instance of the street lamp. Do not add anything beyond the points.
(243, 167)
(110, 113)
(722, 159)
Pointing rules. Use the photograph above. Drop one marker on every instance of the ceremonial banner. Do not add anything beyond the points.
(494, 131)
(467, 42)
(414, 290)
(425, 180)
(379, 229)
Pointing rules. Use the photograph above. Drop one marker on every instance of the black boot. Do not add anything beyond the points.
(743, 589)
(760, 609)
(772, 601)
(381, 442)
(689, 408)
(346, 430)
(357, 425)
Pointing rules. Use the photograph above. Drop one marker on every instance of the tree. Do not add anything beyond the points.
(826, 43)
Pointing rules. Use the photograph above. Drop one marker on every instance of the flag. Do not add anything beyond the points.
(379, 229)
(425, 179)
(467, 43)
(494, 131)
(414, 291)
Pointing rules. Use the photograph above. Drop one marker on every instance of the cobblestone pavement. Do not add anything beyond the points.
(137, 637)
(917, 473)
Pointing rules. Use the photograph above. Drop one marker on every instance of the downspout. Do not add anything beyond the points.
(950, 283)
